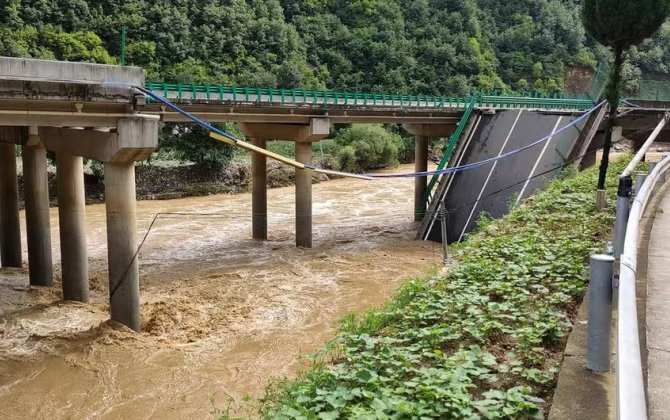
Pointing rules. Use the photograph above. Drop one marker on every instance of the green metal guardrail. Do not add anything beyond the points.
(189, 91)
(449, 151)
(653, 90)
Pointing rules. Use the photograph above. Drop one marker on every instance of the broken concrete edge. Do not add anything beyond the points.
(37, 70)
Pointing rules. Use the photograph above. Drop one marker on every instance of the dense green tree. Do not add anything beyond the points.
(367, 146)
(619, 25)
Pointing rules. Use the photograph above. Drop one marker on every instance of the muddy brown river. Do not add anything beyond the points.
(221, 314)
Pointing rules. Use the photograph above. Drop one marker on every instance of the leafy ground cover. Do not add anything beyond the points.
(484, 340)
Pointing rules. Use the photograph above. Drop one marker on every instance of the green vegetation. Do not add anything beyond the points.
(620, 25)
(403, 46)
(398, 46)
(482, 341)
(367, 146)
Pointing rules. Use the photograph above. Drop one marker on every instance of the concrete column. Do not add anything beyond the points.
(72, 224)
(10, 229)
(38, 225)
(420, 183)
(259, 192)
(303, 197)
(124, 277)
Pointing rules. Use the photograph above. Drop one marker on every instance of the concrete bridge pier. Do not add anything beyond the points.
(422, 134)
(133, 139)
(72, 226)
(38, 224)
(259, 192)
(303, 135)
(420, 183)
(10, 230)
(303, 197)
(124, 277)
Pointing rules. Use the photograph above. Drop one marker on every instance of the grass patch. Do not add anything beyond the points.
(483, 341)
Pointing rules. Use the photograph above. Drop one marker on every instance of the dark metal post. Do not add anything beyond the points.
(123, 45)
(599, 349)
(622, 211)
(640, 177)
(445, 240)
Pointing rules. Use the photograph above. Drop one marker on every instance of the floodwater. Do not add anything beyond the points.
(221, 314)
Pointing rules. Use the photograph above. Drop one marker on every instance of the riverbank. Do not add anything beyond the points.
(484, 340)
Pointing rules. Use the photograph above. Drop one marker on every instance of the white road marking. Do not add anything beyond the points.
(537, 162)
(488, 178)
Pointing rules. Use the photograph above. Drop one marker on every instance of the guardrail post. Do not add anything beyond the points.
(443, 225)
(622, 211)
(599, 349)
(640, 177)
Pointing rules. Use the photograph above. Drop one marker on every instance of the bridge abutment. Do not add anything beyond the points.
(259, 192)
(38, 223)
(10, 229)
(124, 277)
(72, 226)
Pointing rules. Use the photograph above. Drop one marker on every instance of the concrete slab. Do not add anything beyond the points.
(658, 325)
(47, 87)
(582, 394)
(69, 72)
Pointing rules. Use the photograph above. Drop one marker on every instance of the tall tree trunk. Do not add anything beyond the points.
(612, 94)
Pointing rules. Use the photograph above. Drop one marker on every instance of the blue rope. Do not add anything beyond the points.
(474, 165)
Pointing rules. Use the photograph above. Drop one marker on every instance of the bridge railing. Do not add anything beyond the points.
(631, 400)
(449, 150)
(219, 93)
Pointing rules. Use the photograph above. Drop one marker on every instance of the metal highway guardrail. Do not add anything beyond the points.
(631, 402)
(178, 92)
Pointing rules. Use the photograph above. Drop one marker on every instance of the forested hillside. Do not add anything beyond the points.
(417, 46)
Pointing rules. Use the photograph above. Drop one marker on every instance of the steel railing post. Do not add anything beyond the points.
(443, 225)
(622, 211)
(598, 353)
(640, 177)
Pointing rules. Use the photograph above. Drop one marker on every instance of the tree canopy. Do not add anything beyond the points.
(400, 46)
(620, 24)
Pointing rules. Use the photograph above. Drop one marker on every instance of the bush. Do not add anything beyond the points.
(191, 143)
(366, 146)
